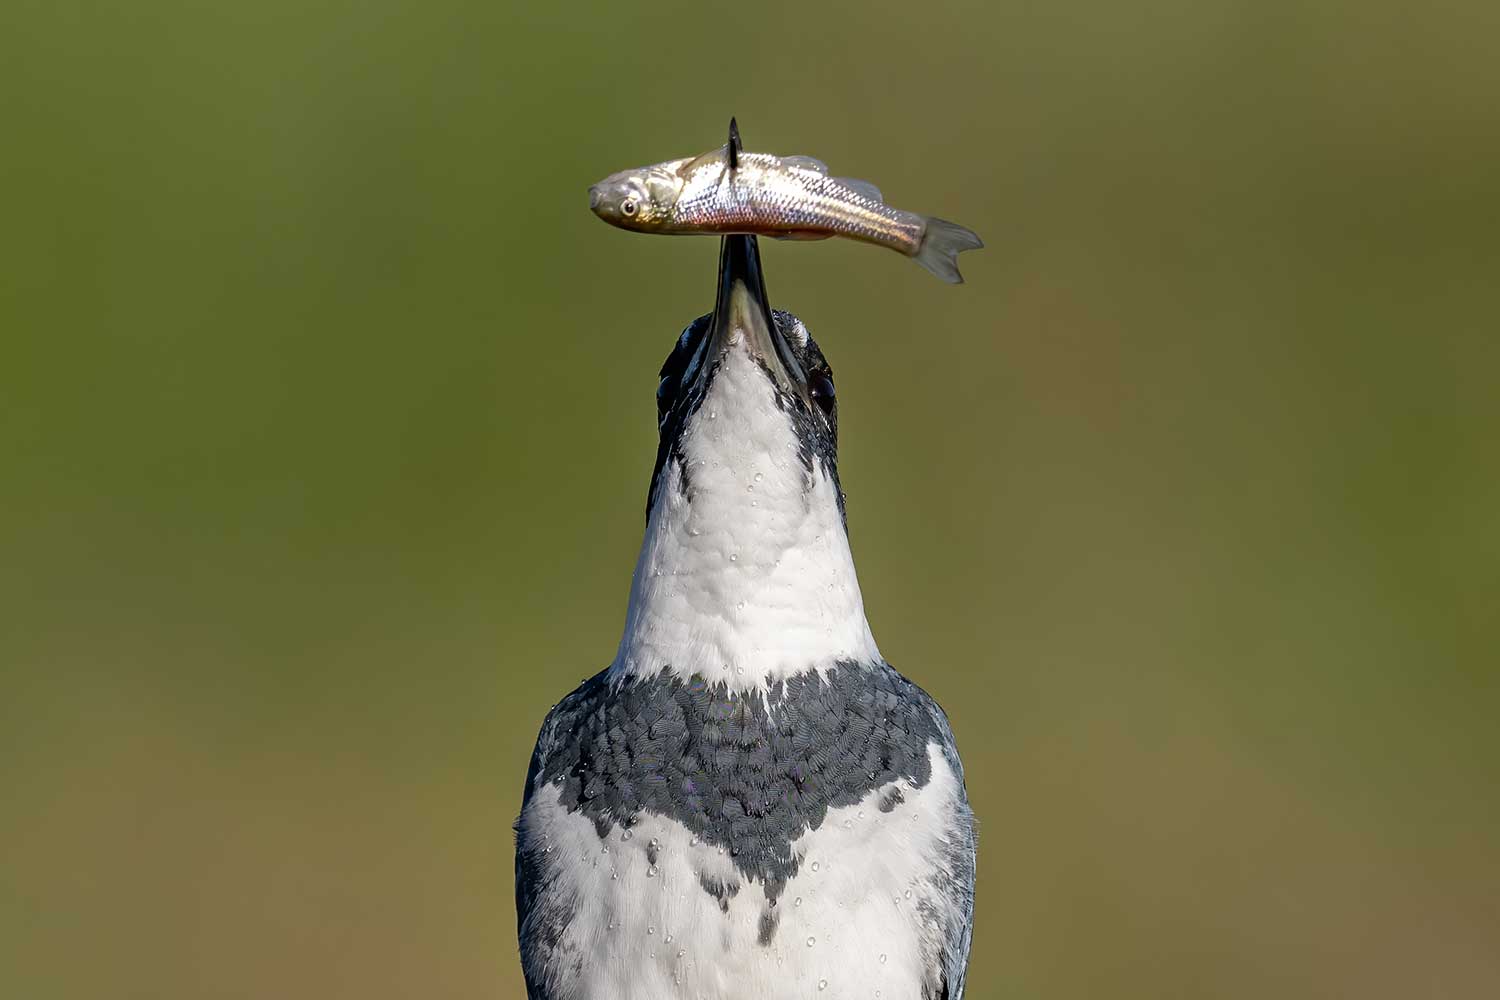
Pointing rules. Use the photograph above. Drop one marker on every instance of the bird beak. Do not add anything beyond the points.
(743, 311)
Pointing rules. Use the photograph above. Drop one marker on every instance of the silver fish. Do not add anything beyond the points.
(727, 190)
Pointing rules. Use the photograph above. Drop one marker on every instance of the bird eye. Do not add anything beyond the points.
(820, 387)
(628, 206)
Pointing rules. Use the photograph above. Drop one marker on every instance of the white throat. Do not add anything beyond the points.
(745, 574)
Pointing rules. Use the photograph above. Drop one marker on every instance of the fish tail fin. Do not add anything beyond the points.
(942, 242)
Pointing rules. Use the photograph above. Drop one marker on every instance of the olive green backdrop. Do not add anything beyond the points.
(326, 419)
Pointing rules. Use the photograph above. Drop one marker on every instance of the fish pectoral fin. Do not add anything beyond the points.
(861, 187)
(806, 163)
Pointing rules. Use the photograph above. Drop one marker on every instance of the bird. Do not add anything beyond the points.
(749, 801)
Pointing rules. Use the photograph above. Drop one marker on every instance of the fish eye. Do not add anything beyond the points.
(820, 388)
(628, 206)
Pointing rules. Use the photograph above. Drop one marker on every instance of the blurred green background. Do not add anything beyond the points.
(326, 420)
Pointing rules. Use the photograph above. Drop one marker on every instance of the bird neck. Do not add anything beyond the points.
(741, 589)
(745, 575)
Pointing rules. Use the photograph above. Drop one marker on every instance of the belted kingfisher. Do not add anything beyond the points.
(749, 803)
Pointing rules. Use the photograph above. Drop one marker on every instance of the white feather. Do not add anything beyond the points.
(748, 577)
(862, 915)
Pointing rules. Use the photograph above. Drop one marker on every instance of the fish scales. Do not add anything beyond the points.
(769, 199)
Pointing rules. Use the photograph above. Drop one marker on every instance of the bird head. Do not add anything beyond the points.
(746, 391)
(745, 573)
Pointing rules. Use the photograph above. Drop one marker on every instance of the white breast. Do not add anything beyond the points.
(862, 918)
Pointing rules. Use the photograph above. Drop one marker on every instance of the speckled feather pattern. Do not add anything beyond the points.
(740, 844)
(750, 771)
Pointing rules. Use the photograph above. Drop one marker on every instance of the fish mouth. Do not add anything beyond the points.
(596, 196)
(742, 316)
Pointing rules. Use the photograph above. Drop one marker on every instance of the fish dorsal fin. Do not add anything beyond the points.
(733, 147)
(806, 163)
(718, 156)
(860, 187)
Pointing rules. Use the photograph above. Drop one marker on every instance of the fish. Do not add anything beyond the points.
(728, 190)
